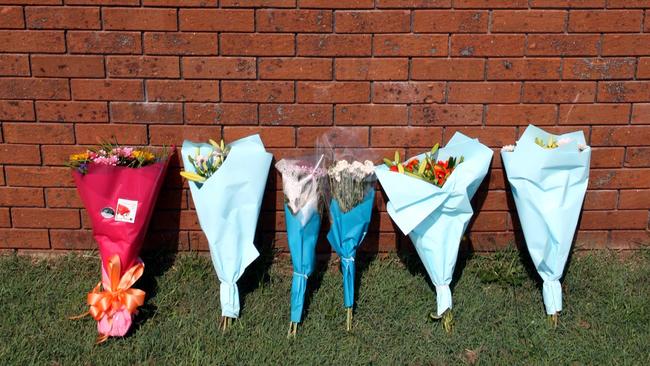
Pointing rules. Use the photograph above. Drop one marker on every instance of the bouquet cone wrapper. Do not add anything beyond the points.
(119, 201)
(549, 187)
(435, 218)
(228, 205)
(347, 231)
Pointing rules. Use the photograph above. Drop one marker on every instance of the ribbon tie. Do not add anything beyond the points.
(118, 294)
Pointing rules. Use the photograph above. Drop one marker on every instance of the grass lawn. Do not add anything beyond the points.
(498, 312)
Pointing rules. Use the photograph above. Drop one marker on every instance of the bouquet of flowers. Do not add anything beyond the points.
(429, 200)
(352, 191)
(548, 175)
(118, 186)
(303, 182)
(227, 185)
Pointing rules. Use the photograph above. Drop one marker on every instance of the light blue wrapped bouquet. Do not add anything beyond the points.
(548, 175)
(434, 217)
(227, 185)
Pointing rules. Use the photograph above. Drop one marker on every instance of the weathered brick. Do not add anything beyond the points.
(72, 111)
(330, 92)
(562, 45)
(226, 114)
(594, 21)
(112, 90)
(328, 4)
(447, 69)
(598, 68)
(380, 114)
(590, 114)
(567, 3)
(219, 67)
(303, 21)
(183, 90)
(62, 198)
(514, 4)
(377, 21)
(422, 137)
(142, 66)
(146, 112)
(293, 114)
(408, 92)
(14, 65)
(410, 45)
(348, 137)
(104, 42)
(521, 114)
(634, 199)
(48, 17)
(216, 20)
(450, 21)
(22, 238)
(625, 91)
(11, 17)
(564, 92)
(620, 135)
(528, 21)
(186, 43)
(261, 91)
(637, 157)
(67, 66)
(241, 44)
(92, 134)
(641, 114)
(139, 19)
(487, 45)
(413, 3)
(31, 88)
(174, 135)
(484, 92)
(371, 69)
(445, 115)
(35, 176)
(333, 45)
(272, 136)
(16, 110)
(295, 68)
(626, 45)
(21, 197)
(523, 69)
(11, 154)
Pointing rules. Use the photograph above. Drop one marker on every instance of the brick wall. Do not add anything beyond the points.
(394, 73)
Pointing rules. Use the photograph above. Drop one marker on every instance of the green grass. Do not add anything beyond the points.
(498, 313)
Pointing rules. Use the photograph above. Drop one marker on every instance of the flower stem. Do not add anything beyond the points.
(553, 320)
(348, 322)
(293, 329)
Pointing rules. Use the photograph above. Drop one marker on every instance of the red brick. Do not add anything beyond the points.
(450, 21)
(630, 239)
(258, 3)
(120, 90)
(594, 21)
(104, 42)
(19, 154)
(528, 21)
(174, 135)
(637, 157)
(367, 114)
(32, 41)
(490, 136)
(16, 110)
(14, 65)
(377, 21)
(598, 68)
(29, 239)
(217, 20)
(421, 137)
(139, 19)
(184, 3)
(410, 45)
(11, 17)
(643, 68)
(489, 221)
(600, 200)
(408, 92)
(628, 219)
(521, 114)
(333, 45)
(219, 68)
(447, 69)
(371, 69)
(38, 133)
(628, 4)
(260, 91)
(30, 88)
(72, 239)
(591, 239)
(641, 114)
(331, 92)
(72, 111)
(563, 45)
(628, 91)
(146, 112)
(559, 92)
(490, 92)
(124, 134)
(488, 4)
(634, 199)
(447, 114)
(295, 68)
(271, 136)
(626, 45)
(35, 176)
(67, 66)
(100, 2)
(303, 21)
(413, 3)
(295, 114)
(523, 69)
(226, 114)
(62, 198)
(352, 136)
(328, 4)
(592, 114)
(142, 66)
(164, 43)
(607, 157)
(183, 90)
(235, 44)
(487, 45)
(21, 197)
(616, 179)
(567, 3)
(39, 218)
(38, 17)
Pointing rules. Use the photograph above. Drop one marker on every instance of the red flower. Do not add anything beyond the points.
(122, 210)
(393, 168)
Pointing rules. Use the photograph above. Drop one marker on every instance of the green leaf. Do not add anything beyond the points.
(388, 162)
(400, 168)
(422, 167)
(397, 157)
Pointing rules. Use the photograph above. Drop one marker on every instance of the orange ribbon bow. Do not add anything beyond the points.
(118, 294)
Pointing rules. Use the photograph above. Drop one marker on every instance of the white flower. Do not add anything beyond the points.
(564, 141)
(508, 148)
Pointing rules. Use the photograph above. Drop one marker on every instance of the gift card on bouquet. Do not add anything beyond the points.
(126, 210)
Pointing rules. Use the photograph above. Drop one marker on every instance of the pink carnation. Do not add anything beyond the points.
(116, 325)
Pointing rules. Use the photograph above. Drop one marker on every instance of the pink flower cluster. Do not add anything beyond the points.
(104, 158)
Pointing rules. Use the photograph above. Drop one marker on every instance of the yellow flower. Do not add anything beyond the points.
(79, 157)
(143, 155)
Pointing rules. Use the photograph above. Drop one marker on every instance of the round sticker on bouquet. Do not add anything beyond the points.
(126, 210)
(107, 213)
